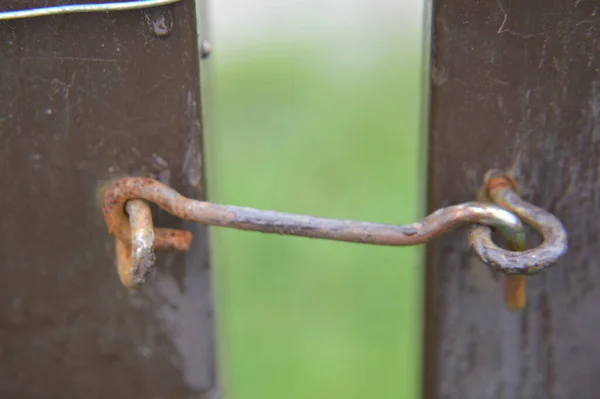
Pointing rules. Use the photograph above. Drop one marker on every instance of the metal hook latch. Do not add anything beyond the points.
(129, 219)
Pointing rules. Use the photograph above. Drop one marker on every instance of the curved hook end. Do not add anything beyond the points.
(501, 189)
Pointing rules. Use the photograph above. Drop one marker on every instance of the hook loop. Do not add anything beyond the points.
(501, 189)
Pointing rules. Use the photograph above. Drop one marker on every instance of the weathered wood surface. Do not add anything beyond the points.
(85, 98)
(515, 84)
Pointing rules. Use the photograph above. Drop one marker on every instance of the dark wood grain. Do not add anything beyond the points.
(85, 98)
(515, 84)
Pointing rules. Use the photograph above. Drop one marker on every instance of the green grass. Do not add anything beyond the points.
(302, 318)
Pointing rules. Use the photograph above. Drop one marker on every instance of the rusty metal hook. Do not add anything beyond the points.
(501, 190)
(129, 220)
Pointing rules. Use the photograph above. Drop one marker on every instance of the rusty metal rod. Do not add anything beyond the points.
(117, 195)
(515, 286)
(135, 258)
(500, 189)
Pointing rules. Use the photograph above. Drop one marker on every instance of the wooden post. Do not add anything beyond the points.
(85, 98)
(515, 85)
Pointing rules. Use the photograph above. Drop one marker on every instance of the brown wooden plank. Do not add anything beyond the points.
(515, 84)
(85, 98)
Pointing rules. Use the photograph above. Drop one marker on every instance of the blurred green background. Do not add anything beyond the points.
(300, 128)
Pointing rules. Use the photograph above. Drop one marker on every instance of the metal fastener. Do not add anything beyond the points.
(517, 262)
(128, 219)
(500, 190)
(205, 49)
